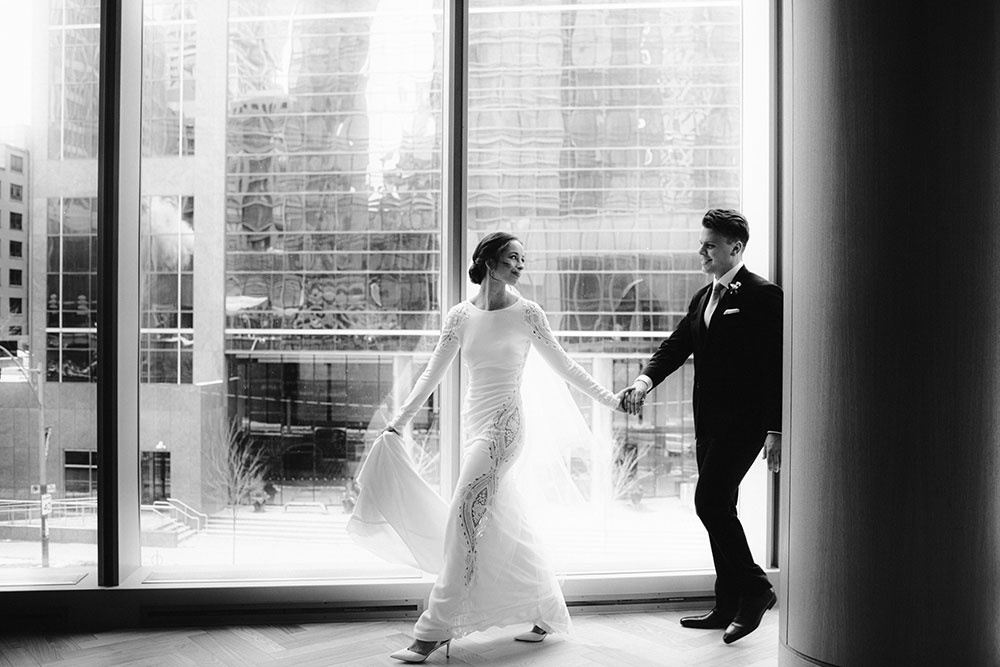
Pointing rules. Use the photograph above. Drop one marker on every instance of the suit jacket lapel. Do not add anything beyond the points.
(741, 275)
(738, 278)
(700, 329)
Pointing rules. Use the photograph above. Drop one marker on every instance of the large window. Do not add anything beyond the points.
(291, 211)
(318, 241)
(600, 135)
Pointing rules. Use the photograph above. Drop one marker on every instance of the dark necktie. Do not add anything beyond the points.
(713, 302)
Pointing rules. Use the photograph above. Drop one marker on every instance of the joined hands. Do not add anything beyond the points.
(632, 398)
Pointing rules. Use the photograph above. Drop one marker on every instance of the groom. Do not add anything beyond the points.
(733, 328)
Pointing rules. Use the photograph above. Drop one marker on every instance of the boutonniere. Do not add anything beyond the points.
(734, 288)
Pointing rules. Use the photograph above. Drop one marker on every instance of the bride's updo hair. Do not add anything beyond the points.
(488, 250)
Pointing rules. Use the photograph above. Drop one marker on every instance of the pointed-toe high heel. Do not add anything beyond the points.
(535, 635)
(411, 655)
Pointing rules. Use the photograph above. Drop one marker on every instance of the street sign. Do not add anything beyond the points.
(50, 488)
(36, 488)
(46, 504)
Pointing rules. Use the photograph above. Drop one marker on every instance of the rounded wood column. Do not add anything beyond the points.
(890, 550)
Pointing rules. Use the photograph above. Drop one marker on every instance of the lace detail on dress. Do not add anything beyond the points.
(455, 318)
(444, 352)
(477, 500)
(539, 325)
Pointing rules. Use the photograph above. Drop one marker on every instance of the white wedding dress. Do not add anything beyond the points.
(492, 570)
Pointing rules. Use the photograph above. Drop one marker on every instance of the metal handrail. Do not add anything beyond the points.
(10, 509)
(155, 510)
(30, 509)
(189, 513)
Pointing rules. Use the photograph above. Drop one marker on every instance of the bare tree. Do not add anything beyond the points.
(625, 475)
(236, 468)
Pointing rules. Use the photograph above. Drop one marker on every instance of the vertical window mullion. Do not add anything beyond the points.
(118, 314)
(456, 44)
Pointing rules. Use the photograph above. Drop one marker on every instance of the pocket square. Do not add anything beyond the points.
(730, 311)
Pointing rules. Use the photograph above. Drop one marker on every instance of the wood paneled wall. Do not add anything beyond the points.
(891, 184)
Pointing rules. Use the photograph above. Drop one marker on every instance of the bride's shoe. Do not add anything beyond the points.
(411, 655)
(535, 634)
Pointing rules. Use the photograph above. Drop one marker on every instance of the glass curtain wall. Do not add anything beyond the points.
(291, 223)
(600, 133)
(291, 234)
(48, 304)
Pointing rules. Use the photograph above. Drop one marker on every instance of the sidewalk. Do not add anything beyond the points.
(658, 534)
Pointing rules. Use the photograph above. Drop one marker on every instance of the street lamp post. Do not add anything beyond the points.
(44, 498)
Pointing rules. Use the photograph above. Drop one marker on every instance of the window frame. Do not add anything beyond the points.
(119, 561)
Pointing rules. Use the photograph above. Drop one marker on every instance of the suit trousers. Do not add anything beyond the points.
(722, 465)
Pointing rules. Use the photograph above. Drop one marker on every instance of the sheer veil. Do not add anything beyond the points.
(402, 518)
(555, 430)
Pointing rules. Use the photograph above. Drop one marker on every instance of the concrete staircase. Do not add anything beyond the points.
(305, 525)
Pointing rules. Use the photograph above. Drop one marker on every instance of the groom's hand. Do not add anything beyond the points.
(772, 451)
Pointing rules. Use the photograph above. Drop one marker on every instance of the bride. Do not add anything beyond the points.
(492, 571)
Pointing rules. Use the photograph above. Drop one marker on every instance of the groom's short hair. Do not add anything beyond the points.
(731, 224)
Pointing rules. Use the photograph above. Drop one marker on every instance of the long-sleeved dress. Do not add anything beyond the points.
(494, 572)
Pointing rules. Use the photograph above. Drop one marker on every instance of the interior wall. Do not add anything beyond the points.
(892, 241)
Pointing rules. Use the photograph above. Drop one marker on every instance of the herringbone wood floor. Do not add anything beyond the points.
(652, 639)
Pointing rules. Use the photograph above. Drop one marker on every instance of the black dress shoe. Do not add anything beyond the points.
(748, 617)
(713, 620)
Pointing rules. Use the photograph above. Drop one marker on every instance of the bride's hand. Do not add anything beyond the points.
(619, 397)
(389, 429)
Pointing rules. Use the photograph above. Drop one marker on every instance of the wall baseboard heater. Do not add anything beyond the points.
(278, 613)
(618, 604)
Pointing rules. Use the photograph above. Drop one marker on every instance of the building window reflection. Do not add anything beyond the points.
(80, 472)
(167, 302)
(168, 77)
(74, 94)
(71, 334)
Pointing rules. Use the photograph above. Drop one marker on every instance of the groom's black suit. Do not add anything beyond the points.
(737, 400)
